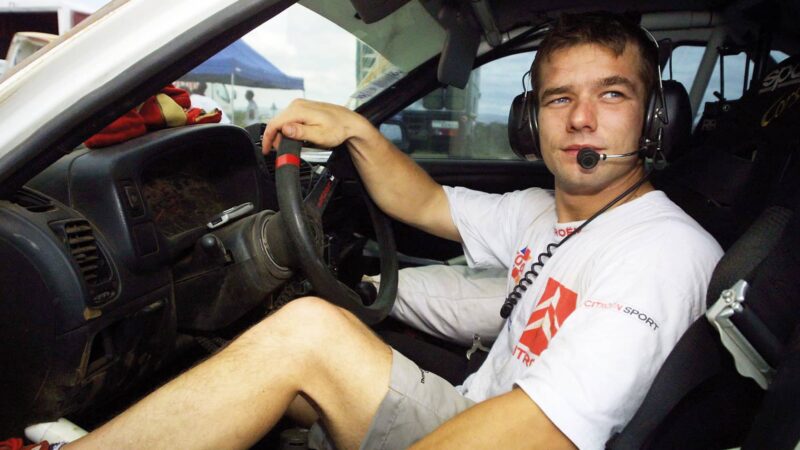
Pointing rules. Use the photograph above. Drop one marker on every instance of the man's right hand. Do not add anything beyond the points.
(322, 124)
(394, 181)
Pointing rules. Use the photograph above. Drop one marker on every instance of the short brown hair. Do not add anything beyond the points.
(612, 31)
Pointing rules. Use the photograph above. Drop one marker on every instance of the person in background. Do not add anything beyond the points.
(252, 108)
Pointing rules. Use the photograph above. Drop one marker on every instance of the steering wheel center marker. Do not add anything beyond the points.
(285, 159)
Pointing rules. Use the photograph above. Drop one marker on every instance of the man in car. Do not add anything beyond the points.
(577, 353)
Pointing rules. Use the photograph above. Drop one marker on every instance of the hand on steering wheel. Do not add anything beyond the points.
(323, 124)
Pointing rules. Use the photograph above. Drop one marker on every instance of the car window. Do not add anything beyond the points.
(778, 56)
(685, 61)
(468, 123)
(259, 75)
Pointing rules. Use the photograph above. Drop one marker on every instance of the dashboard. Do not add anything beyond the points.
(103, 248)
(182, 193)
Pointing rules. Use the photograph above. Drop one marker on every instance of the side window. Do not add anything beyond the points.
(685, 62)
(257, 76)
(468, 123)
(778, 56)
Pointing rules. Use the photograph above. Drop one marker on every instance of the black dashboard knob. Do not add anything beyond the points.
(367, 291)
(214, 248)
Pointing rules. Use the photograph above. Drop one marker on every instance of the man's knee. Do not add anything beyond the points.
(312, 315)
(305, 323)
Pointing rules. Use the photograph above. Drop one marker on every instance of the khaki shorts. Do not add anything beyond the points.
(417, 403)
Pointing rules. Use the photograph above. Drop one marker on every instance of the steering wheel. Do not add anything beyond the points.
(302, 222)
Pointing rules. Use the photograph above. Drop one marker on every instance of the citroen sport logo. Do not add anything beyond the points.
(552, 309)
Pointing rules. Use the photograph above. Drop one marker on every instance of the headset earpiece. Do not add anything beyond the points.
(533, 119)
(523, 131)
(655, 118)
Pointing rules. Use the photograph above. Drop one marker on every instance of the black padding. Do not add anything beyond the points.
(521, 133)
(744, 157)
(777, 424)
(748, 251)
(725, 188)
(678, 131)
(774, 294)
(688, 405)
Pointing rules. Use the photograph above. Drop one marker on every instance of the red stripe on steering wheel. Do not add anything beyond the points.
(287, 159)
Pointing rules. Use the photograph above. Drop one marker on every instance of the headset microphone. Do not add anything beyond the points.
(588, 158)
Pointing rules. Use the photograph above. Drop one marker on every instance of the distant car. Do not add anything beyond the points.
(124, 264)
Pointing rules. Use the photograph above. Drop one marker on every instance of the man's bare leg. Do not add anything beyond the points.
(309, 348)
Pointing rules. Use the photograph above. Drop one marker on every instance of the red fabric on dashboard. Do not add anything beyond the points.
(171, 107)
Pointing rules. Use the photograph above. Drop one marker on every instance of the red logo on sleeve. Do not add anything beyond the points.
(555, 305)
(523, 256)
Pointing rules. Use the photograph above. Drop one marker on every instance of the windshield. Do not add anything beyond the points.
(316, 50)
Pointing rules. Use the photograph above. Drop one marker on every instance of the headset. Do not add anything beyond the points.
(523, 125)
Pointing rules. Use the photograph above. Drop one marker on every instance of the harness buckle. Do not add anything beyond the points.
(749, 362)
(476, 345)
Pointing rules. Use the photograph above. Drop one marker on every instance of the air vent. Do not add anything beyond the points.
(95, 270)
(32, 201)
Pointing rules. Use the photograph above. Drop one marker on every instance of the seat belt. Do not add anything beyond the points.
(754, 348)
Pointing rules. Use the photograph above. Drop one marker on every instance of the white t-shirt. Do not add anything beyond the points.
(588, 337)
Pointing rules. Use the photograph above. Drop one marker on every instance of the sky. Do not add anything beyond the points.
(303, 44)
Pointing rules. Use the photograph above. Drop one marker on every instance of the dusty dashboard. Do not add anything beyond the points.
(152, 197)
(182, 194)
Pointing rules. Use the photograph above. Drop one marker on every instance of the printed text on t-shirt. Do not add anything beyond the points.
(624, 309)
(563, 232)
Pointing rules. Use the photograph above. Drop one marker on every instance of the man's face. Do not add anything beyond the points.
(589, 97)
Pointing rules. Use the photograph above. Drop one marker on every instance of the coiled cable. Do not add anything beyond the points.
(533, 271)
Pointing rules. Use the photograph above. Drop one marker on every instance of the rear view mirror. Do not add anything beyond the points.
(446, 98)
(434, 100)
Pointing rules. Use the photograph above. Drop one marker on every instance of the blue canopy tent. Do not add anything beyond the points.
(240, 65)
